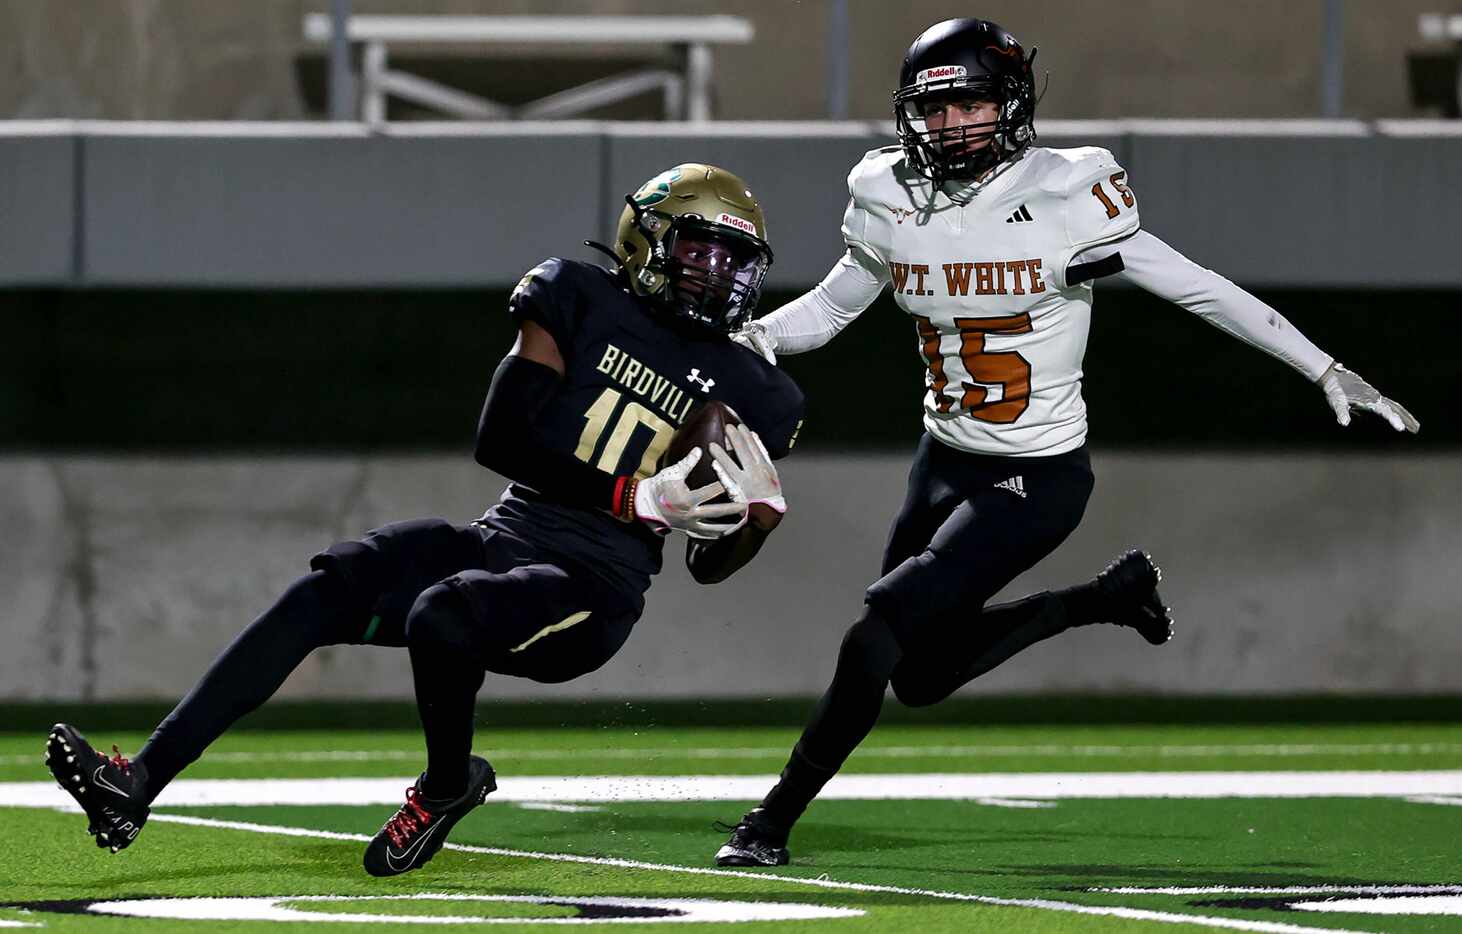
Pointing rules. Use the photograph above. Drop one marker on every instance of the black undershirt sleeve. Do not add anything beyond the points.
(507, 443)
(711, 562)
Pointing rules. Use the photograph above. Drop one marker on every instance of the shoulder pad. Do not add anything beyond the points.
(1100, 204)
(873, 172)
(548, 294)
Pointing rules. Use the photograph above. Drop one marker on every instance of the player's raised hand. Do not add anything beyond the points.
(751, 477)
(1345, 390)
(756, 338)
(664, 502)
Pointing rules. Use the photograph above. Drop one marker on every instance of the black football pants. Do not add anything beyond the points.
(970, 524)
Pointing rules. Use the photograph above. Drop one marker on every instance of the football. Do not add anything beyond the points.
(705, 425)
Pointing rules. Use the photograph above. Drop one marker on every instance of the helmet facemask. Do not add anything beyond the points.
(943, 154)
(713, 274)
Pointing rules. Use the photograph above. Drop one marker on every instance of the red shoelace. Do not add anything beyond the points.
(119, 760)
(411, 818)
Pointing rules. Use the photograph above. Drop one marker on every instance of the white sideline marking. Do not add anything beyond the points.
(560, 808)
(1283, 890)
(1436, 799)
(277, 908)
(1406, 905)
(1042, 750)
(1137, 914)
(933, 786)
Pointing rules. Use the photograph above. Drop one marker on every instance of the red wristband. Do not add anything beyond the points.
(623, 503)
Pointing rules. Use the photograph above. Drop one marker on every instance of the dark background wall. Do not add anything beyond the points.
(380, 370)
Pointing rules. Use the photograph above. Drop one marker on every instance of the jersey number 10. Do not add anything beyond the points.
(631, 416)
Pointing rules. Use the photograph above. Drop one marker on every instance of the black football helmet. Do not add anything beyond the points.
(964, 58)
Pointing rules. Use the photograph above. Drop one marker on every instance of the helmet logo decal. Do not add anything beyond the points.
(657, 189)
(731, 220)
(941, 73)
(1011, 52)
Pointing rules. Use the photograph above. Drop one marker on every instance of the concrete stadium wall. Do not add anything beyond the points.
(185, 60)
(123, 577)
(1328, 203)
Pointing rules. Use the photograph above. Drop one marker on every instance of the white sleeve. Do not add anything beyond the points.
(1158, 268)
(813, 318)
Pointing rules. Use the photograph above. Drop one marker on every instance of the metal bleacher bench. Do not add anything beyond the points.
(686, 93)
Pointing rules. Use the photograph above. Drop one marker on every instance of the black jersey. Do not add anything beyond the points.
(630, 379)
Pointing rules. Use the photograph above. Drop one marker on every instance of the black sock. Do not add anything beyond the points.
(1084, 604)
(842, 717)
(447, 681)
(314, 611)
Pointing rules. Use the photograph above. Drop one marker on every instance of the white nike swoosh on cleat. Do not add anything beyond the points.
(407, 855)
(97, 777)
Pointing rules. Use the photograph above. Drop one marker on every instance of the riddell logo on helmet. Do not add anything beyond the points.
(731, 220)
(940, 73)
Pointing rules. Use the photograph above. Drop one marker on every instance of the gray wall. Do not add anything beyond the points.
(1320, 573)
(191, 60)
(1338, 203)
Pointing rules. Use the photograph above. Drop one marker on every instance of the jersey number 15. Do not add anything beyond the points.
(1005, 368)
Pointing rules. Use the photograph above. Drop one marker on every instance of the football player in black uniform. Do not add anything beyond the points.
(549, 582)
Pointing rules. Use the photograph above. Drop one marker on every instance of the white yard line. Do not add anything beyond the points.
(935, 786)
(1284, 890)
(1454, 801)
(1135, 914)
(1041, 751)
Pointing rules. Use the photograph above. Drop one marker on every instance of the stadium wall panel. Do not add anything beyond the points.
(38, 169)
(1306, 574)
(1320, 204)
(319, 210)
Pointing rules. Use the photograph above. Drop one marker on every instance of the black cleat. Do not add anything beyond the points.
(417, 831)
(1129, 585)
(112, 792)
(756, 841)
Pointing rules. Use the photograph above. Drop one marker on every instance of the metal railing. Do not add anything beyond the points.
(687, 93)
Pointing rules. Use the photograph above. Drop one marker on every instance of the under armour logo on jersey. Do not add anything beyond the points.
(695, 377)
(1020, 216)
(1015, 485)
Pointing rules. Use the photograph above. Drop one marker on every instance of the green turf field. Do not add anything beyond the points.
(975, 828)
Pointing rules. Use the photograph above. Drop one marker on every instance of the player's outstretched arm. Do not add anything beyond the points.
(814, 318)
(750, 478)
(1158, 268)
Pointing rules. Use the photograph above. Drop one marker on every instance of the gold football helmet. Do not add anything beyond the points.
(693, 241)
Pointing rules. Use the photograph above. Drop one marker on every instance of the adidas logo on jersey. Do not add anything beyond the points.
(1020, 216)
(1015, 485)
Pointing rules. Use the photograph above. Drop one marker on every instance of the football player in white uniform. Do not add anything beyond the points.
(991, 245)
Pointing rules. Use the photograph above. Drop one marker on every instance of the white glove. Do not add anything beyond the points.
(664, 502)
(756, 338)
(751, 477)
(1345, 390)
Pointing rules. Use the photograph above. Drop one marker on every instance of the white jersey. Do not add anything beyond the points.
(982, 271)
(998, 278)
